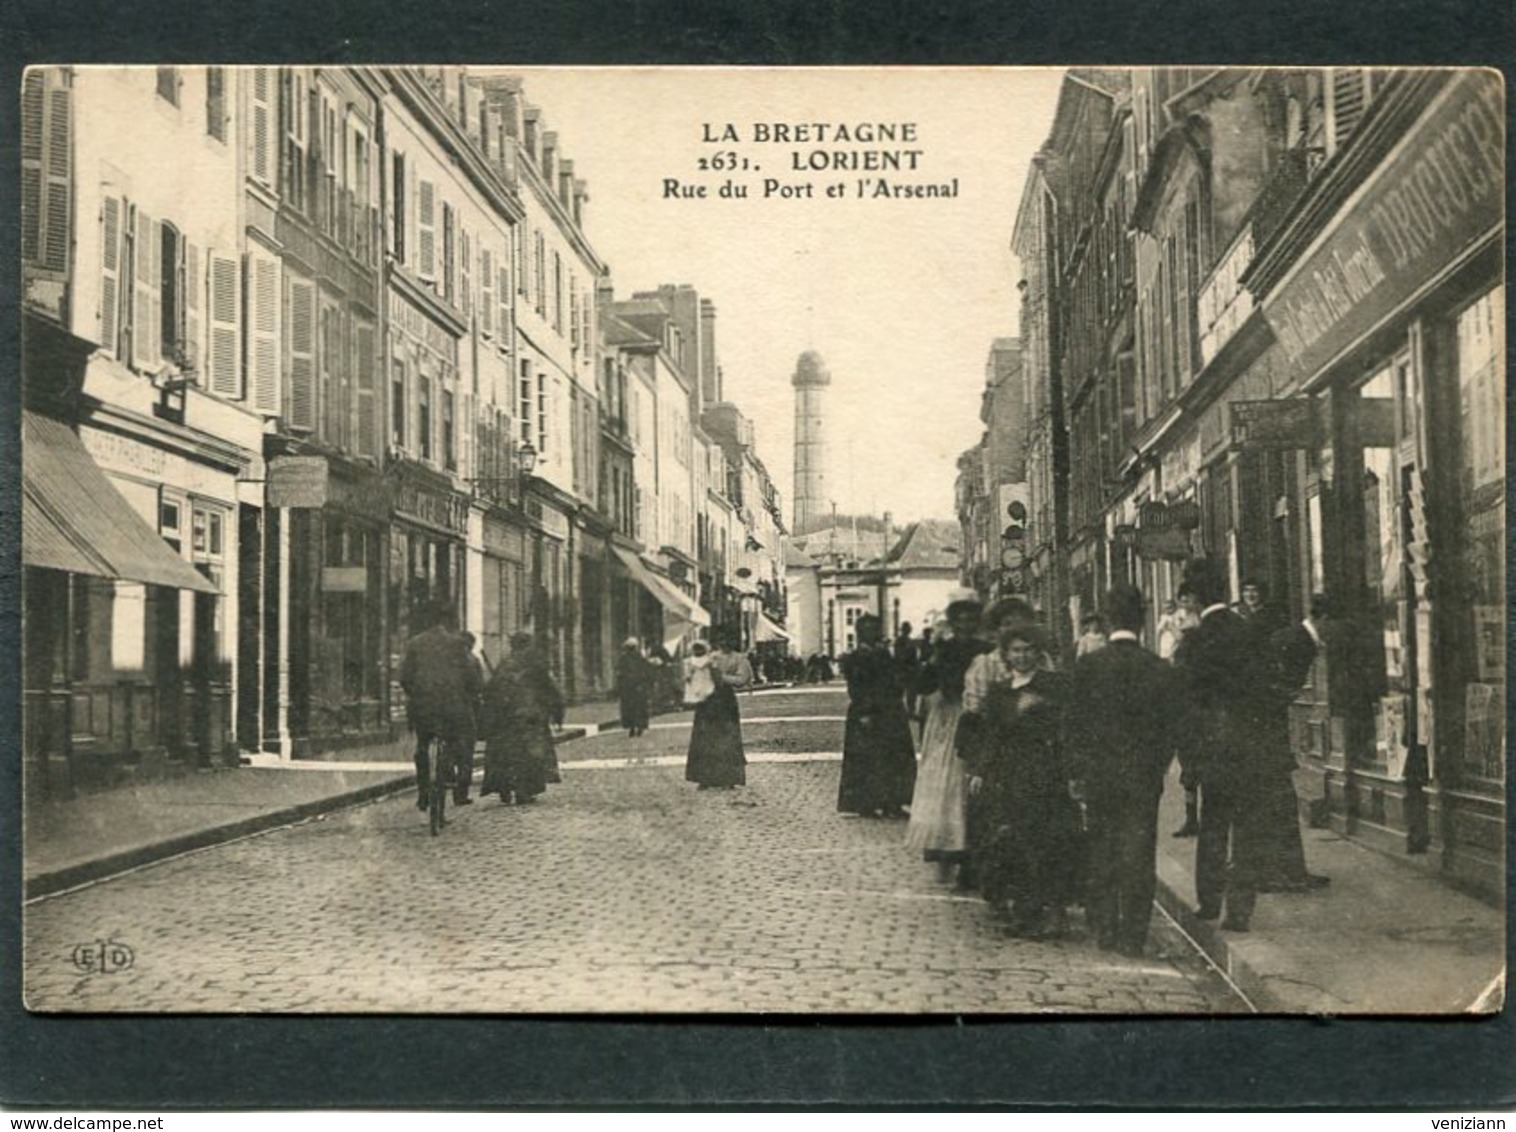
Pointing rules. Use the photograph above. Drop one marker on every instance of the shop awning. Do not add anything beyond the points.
(766, 630)
(73, 519)
(684, 613)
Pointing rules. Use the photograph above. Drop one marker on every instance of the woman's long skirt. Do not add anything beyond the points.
(878, 762)
(634, 709)
(715, 757)
(939, 826)
(520, 760)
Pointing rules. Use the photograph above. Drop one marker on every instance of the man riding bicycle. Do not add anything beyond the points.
(442, 684)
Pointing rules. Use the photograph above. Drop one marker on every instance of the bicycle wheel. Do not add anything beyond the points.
(437, 811)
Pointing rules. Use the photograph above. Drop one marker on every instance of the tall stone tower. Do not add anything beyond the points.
(810, 381)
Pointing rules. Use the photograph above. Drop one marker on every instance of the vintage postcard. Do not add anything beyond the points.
(996, 541)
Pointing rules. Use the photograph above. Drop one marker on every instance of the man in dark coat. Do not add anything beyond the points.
(1229, 680)
(1293, 651)
(442, 684)
(1124, 718)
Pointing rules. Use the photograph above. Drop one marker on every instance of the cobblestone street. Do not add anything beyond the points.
(624, 889)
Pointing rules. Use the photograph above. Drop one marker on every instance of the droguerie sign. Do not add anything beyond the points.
(1428, 203)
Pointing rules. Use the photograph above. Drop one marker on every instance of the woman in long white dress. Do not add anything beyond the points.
(938, 827)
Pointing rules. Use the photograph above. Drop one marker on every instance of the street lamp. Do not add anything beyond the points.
(526, 463)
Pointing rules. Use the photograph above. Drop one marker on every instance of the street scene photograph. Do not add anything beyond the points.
(791, 541)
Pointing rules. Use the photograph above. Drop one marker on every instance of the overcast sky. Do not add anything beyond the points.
(901, 297)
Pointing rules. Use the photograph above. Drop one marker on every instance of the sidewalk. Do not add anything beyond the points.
(1384, 937)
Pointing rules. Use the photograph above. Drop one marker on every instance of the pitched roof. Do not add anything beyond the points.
(930, 544)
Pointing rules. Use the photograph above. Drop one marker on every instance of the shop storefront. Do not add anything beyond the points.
(1392, 325)
(428, 536)
(129, 628)
(503, 593)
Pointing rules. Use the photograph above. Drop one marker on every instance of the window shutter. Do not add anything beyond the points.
(142, 296)
(463, 429)
(366, 440)
(263, 332)
(1350, 97)
(190, 288)
(110, 274)
(33, 113)
(262, 136)
(426, 223)
(465, 275)
(225, 335)
(302, 372)
(503, 295)
(1183, 318)
(46, 179)
(486, 291)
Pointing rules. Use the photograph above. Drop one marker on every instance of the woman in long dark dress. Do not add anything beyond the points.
(521, 705)
(633, 675)
(716, 760)
(1028, 857)
(878, 754)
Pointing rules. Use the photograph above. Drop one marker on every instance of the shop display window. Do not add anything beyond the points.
(1480, 333)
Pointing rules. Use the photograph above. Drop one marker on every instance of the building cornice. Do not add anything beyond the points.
(418, 97)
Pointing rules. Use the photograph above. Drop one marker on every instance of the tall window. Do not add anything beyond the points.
(168, 84)
(397, 219)
(397, 403)
(449, 440)
(424, 417)
(542, 393)
(215, 102)
(524, 403)
(1480, 336)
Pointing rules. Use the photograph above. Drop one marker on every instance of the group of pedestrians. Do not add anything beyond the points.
(1039, 787)
(452, 701)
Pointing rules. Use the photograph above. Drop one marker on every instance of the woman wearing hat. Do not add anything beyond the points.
(1027, 852)
(632, 677)
(938, 825)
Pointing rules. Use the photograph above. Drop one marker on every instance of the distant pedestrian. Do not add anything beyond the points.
(878, 754)
(522, 706)
(466, 748)
(712, 679)
(1091, 635)
(1122, 726)
(1186, 618)
(1177, 620)
(939, 825)
(1028, 850)
(441, 686)
(633, 676)
(908, 657)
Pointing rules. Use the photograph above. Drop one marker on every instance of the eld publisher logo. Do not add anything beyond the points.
(103, 957)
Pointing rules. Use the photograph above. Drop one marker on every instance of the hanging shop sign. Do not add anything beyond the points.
(1279, 425)
(298, 481)
(1438, 193)
(1164, 529)
(344, 579)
